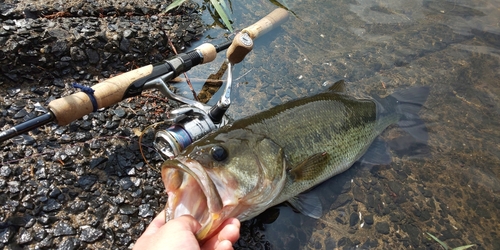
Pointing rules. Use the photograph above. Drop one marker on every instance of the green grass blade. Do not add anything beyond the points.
(174, 5)
(224, 7)
(463, 247)
(440, 242)
(222, 14)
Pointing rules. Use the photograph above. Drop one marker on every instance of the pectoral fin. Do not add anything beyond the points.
(310, 168)
(308, 204)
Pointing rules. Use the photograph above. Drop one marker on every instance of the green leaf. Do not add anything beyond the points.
(174, 5)
(222, 14)
(438, 241)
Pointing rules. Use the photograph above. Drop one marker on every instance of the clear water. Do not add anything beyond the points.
(451, 188)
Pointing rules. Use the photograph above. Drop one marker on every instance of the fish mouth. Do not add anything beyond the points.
(191, 192)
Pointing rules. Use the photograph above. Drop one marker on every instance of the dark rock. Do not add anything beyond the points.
(5, 171)
(90, 234)
(145, 210)
(382, 227)
(341, 201)
(92, 55)
(77, 54)
(51, 205)
(59, 48)
(39, 234)
(413, 233)
(87, 181)
(13, 91)
(127, 209)
(330, 243)
(120, 112)
(353, 219)
(124, 45)
(25, 236)
(6, 234)
(23, 139)
(13, 187)
(69, 243)
(22, 221)
(78, 206)
(63, 228)
(370, 244)
(358, 194)
(368, 219)
(128, 33)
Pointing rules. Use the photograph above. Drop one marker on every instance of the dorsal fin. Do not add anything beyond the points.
(338, 87)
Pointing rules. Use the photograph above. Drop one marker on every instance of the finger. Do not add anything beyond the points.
(224, 245)
(230, 232)
(156, 223)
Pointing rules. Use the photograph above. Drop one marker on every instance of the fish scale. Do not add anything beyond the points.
(341, 127)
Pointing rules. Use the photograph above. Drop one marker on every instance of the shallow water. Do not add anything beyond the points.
(450, 188)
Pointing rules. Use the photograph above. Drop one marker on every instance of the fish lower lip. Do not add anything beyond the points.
(187, 199)
(186, 196)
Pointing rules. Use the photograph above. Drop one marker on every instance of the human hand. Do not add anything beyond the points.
(179, 233)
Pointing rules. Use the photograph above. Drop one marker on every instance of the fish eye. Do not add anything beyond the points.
(218, 153)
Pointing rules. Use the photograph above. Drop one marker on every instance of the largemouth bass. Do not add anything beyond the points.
(260, 161)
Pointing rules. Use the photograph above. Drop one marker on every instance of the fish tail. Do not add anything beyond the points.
(406, 104)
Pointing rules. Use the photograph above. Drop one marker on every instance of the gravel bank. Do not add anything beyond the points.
(85, 185)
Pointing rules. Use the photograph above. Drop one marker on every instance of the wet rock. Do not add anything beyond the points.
(353, 219)
(127, 209)
(120, 112)
(63, 228)
(6, 234)
(78, 206)
(77, 54)
(90, 234)
(5, 171)
(92, 55)
(22, 221)
(341, 201)
(368, 219)
(23, 139)
(13, 187)
(128, 33)
(358, 194)
(145, 210)
(59, 48)
(87, 181)
(13, 91)
(39, 234)
(69, 243)
(25, 236)
(51, 205)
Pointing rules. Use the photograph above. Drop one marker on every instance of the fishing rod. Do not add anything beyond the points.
(188, 122)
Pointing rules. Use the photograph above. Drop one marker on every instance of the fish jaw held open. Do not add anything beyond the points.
(191, 192)
(242, 185)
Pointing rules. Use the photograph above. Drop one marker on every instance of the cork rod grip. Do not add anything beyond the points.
(267, 23)
(106, 93)
(243, 41)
